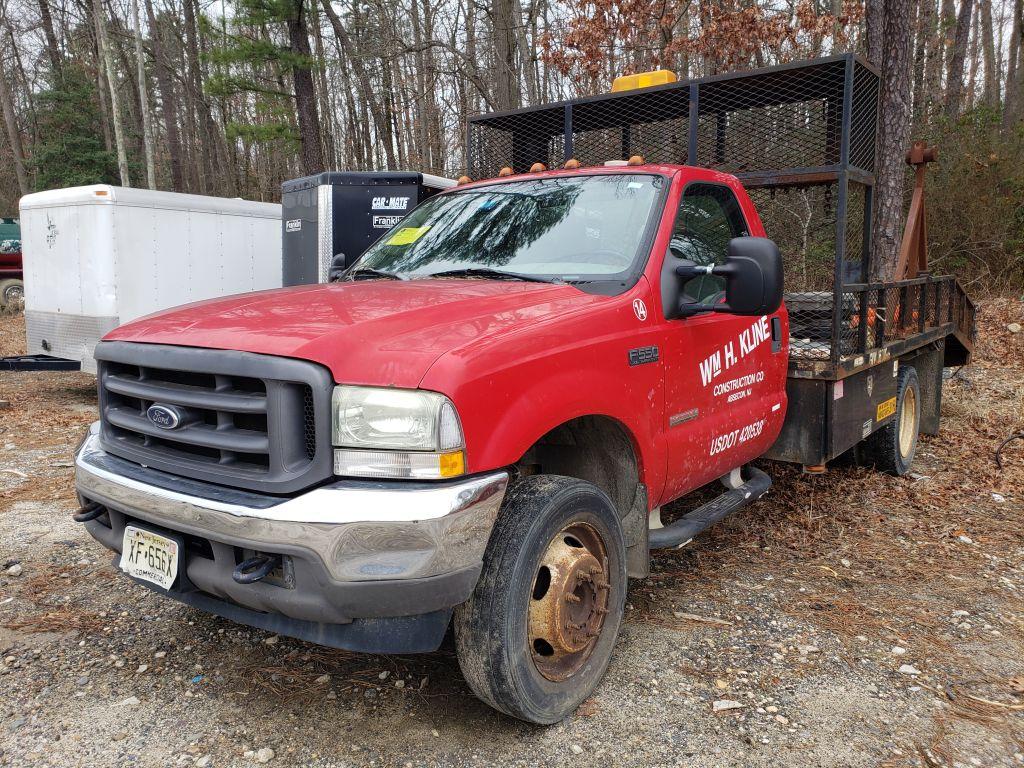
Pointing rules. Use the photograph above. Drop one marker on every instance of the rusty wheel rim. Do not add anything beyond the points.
(569, 601)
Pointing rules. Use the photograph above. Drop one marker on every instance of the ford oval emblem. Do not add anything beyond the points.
(163, 416)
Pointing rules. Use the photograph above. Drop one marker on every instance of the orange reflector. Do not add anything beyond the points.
(452, 464)
(100, 192)
(636, 160)
(571, 164)
(506, 171)
(538, 167)
(464, 180)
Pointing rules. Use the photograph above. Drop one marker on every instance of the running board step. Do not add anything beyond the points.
(685, 528)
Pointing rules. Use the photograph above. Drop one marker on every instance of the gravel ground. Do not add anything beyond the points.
(849, 619)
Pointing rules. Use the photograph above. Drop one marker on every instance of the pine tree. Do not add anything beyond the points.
(70, 150)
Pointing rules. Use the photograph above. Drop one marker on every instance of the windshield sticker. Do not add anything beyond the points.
(407, 235)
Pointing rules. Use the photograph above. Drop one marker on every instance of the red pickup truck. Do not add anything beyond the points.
(478, 425)
(12, 285)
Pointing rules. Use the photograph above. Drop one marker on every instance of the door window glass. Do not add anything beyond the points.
(709, 217)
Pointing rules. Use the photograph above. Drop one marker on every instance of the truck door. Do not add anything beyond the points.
(724, 374)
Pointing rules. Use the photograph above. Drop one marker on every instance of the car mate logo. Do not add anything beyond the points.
(725, 358)
(163, 416)
(390, 204)
(640, 309)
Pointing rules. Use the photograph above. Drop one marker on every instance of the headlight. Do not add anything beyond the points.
(384, 432)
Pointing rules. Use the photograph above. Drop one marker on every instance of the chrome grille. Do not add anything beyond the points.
(244, 420)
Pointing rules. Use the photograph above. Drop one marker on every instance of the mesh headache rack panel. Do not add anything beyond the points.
(801, 138)
(797, 122)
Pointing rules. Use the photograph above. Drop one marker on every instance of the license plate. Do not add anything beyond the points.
(149, 556)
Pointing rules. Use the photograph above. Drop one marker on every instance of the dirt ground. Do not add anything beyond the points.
(853, 619)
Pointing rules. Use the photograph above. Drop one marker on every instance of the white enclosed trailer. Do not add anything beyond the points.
(98, 256)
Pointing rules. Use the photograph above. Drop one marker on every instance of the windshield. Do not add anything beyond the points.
(570, 228)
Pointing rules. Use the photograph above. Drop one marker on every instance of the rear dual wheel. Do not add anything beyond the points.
(535, 638)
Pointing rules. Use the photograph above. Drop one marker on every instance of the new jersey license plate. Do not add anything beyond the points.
(149, 556)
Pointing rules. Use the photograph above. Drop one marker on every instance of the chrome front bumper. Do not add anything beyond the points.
(358, 530)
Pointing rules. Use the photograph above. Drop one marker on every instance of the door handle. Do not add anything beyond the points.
(776, 334)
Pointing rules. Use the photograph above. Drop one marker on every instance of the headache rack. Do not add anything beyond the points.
(801, 138)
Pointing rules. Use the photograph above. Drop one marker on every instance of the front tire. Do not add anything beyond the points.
(892, 448)
(537, 634)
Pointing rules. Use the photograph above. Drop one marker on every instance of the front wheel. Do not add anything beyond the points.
(536, 636)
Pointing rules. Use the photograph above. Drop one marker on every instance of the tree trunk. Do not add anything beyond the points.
(52, 48)
(305, 94)
(933, 62)
(990, 96)
(507, 94)
(13, 131)
(204, 175)
(874, 22)
(925, 10)
(168, 100)
(893, 138)
(955, 68)
(1014, 74)
(147, 118)
(115, 110)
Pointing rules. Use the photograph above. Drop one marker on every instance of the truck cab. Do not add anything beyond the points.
(503, 390)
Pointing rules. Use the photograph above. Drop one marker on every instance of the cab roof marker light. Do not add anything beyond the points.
(571, 164)
(538, 168)
(463, 180)
(635, 160)
(506, 171)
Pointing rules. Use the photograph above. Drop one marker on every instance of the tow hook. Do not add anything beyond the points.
(255, 568)
(88, 512)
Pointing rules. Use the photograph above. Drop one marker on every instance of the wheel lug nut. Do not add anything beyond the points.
(571, 598)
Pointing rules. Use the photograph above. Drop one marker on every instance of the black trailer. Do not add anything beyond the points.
(801, 138)
(330, 218)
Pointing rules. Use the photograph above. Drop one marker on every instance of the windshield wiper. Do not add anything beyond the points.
(493, 274)
(369, 272)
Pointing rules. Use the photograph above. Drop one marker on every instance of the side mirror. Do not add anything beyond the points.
(337, 268)
(753, 279)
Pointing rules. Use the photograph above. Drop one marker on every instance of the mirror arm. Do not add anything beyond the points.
(690, 271)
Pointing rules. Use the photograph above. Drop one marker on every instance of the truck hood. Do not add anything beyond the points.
(377, 332)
